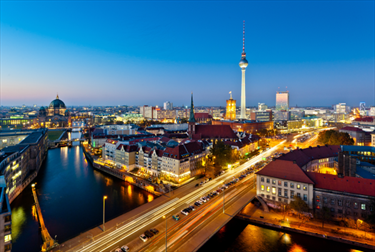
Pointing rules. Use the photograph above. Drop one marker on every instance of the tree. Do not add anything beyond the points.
(299, 205)
(325, 214)
(371, 217)
(333, 137)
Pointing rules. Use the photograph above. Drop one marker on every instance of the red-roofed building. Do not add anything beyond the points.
(203, 118)
(348, 197)
(360, 137)
(281, 180)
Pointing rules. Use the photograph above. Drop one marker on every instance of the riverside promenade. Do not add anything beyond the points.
(275, 220)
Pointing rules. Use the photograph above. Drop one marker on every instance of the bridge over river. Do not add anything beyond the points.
(187, 234)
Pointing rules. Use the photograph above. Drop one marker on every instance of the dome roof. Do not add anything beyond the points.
(42, 109)
(57, 103)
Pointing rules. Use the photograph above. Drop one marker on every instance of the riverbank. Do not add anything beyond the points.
(123, 175)
(274, 220)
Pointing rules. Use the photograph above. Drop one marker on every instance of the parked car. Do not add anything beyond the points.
(197, 204)
(125, 249)
(203, 199)
(154, 231)
(192, 208)
(149, 234)
(196, 185)
(118, 250)
(143, 237)
(176, 217)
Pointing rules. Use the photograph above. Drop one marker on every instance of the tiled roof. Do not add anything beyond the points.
(213, 131)
(303, 156)
(202, 115)
(285, 170)
(183, 150)
(364, 119)
(111, 141)
(346, 184)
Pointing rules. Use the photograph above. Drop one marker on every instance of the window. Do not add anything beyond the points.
(305, 197)
(268, 189)
(286, 184)
(273, 198)
(280, 199)
(339, 202)
(291, 194)
(332, 210)
(347, 212)
(298, 186)
(268, 180)
(268, 196)
(291, 185)
(355, 205)
(305, 188)
(285, 192)
(339, 211)
(298, 195)
(7, 238)
(363, 206)
(279, 182)
(280, 192)
(325, 200)
(332, 201)
(262, 179)
(273, 190)
(317, 197)
(285, 201)
(274, 181)
(262, 187)
(347, 204)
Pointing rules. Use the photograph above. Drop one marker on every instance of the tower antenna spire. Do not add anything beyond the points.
(243, 39)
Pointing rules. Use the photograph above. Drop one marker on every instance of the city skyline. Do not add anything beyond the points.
(94, 61)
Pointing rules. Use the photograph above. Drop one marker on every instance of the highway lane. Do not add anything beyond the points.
(153, 217)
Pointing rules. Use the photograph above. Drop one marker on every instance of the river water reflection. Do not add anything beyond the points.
(70, 195)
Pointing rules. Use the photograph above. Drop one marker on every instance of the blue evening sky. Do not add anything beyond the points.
(148, 52)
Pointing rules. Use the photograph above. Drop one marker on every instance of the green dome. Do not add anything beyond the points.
(57, 104)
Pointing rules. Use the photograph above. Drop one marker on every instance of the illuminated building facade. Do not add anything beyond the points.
(231, 108)
(282, 100)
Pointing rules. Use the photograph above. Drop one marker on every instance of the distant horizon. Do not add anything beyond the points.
(148, 52)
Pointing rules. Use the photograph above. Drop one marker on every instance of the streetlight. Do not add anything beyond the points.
(104, 198)
(166, 234)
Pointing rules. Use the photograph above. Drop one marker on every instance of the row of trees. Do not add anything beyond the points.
(333, 137)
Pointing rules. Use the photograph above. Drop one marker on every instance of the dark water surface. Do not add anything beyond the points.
(238, 236)
(70, 194)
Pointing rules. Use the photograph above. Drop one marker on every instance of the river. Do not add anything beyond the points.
(71, 197)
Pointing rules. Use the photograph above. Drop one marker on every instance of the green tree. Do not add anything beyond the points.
(299, 206)
(324, 214)
(333, 137)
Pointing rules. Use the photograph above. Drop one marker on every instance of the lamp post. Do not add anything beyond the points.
(166, 234)
(104, 198)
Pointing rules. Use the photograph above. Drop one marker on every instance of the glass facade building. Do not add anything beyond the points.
(282, 100)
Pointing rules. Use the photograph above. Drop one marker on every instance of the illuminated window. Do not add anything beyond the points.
(355, 205)
(305, 188)
(279, 182)
(262, 187)
(298, 186)
(274, 181)
(268, 189)
(273, 190)
(363, 206)
(7, 238)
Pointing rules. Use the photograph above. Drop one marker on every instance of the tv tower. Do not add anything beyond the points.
(243, 64)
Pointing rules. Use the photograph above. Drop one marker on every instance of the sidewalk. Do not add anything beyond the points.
(313, 227)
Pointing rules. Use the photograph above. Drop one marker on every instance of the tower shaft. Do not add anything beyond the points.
(243, 95)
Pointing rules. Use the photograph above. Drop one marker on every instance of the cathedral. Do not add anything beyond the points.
(55, 115)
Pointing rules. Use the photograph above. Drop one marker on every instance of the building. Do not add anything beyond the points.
(243, 64)
(345, 197)
(262, 106)
(248, 126)
(168, 105)
(360, 137)
(281, 115)
(125, 156)
(5, 219)
(203, 118)
(282, 100)
(148, 112)
(281, 180)
(341, 108)
(261, 116)
(55, 115)
(230, 113)
(361, 153)
(20, 164)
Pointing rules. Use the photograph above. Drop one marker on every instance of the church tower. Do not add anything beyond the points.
(191, 128)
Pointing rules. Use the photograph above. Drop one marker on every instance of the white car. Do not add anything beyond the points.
(204, 200)
(184, 212)
(125, 248)
(143, 237)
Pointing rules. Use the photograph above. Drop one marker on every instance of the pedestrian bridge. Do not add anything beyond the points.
(48, 242)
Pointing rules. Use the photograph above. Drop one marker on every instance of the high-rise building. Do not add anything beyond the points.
(262, 106)
(231, 108)
(243, 64)
(282, 100)
(168, 105)
(341, 108)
